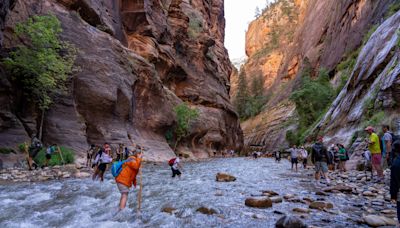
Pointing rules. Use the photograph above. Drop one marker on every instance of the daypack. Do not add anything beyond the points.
(320, 153)
(171, 162)
(394, 137)
(116, 167)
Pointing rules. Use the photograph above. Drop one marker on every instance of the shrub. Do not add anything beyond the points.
(23, 147)
(67, 154)
(184, 118)
(369, 34)
(6, 150)
(375, 120)
(393, 8)
(195, 25)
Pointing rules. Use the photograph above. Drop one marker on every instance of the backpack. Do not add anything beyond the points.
(320, 153)
(171, 162)
(394, 137)
(116, 167)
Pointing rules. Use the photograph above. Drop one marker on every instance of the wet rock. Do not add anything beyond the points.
(276, 199)
(301, 210)
(263, 202)
(290, 222)
(270, 193)
(288, 196)
(376, 220)
(258, 216)
(320, 205)
(169, 210)
(278, 212)
(368, 193)
(206, 210)
(219, 193)
(320, 193)
(340, 188)
(388, 211)
(82, 175)
(223, 177)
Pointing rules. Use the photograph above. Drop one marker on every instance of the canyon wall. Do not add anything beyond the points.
(137, 60)
(315, 35)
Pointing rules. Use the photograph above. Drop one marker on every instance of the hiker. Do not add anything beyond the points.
(278, 156)
(101, 161)
(120, 152)
(387, 141)
(175, 164)
(107, 149)
(126, 154)
(89, 155)
(331, 153)
(49, 150)
(320, 158)
(374, 148)
(395, 178)
(294, 156)
(34, 149)
(304, 156)
(367, 162)
(127, 177)
(342, 156)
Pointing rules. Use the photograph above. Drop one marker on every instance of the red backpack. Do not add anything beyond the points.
(171, 162)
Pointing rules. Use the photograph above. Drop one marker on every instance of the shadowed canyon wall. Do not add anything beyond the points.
(292, 35)
(137, 60)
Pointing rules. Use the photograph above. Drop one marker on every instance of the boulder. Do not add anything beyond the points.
(320, 205)
(290, 222)
(301, 210)
(223, 177)
(376, 220)
(276, 199)
(206, 210)
(169, 210)
(263, 202)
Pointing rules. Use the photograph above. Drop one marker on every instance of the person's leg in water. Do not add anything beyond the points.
(173, 172)
(95, 174)
(296, 163)
(123, 200)
(101, 175)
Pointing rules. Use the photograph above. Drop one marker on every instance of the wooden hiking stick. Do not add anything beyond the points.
(140, 184)
(59, 151)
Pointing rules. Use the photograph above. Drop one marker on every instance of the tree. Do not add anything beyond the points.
(257, 12)
(241, 95)
(42, 63)
(184, 118)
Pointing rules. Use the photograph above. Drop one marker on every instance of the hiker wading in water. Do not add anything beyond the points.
(127, 177)
(320, 158)
(294, 156)
(175, 164)
(101, 161)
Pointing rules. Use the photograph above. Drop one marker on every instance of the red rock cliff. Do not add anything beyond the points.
(138, 60)
(320, 34)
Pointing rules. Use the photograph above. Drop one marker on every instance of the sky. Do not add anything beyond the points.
(238, 15)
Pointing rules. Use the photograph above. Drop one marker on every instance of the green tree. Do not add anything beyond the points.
(42, 62)
(242, 95)
(184, 118)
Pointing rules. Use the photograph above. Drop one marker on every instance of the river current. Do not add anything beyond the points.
(84, 203)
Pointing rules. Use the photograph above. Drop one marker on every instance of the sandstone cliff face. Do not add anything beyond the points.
(374, 86)
(325, 32)
(138, 59)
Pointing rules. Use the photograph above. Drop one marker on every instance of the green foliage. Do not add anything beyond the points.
(169, 136)
(195, 25)
(22, 147)
(343, 80)
(292, 138)
(312, 98)
(67, 153)
(375, 120)
(6, 150)
(393, 8)
(184, 117)
(349, 62)
(42, 63)
(398, 37)
(249, 103)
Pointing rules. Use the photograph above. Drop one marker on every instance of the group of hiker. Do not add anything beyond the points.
(297, 154)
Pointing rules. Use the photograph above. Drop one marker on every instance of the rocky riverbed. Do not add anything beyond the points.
(261, 194)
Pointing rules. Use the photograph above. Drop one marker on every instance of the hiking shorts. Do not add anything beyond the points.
(122, 188)
(321, 166)
(175, 172)
(294, 160)
(102, 167)
(376, 159)
(33, 152)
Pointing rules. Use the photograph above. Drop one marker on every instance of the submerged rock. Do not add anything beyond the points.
(223, 177)
(376, 220)
(301, 210)
(206, 210)
(169, 210)
(290, 222)
(264, 202)
(320, 205)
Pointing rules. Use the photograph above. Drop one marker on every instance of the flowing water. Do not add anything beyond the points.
(84, 203)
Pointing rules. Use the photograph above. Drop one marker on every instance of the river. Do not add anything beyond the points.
(84, 203)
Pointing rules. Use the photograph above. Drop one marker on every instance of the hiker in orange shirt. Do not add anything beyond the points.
(127, 177)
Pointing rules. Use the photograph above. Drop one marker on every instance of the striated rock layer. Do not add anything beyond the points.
(325, 32)
(137, 60)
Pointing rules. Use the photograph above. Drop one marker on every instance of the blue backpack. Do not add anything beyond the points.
(116, 167)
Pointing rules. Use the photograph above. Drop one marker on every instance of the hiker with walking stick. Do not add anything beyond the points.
(127, 176)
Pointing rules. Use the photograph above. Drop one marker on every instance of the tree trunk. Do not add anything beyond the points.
(41, 126)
